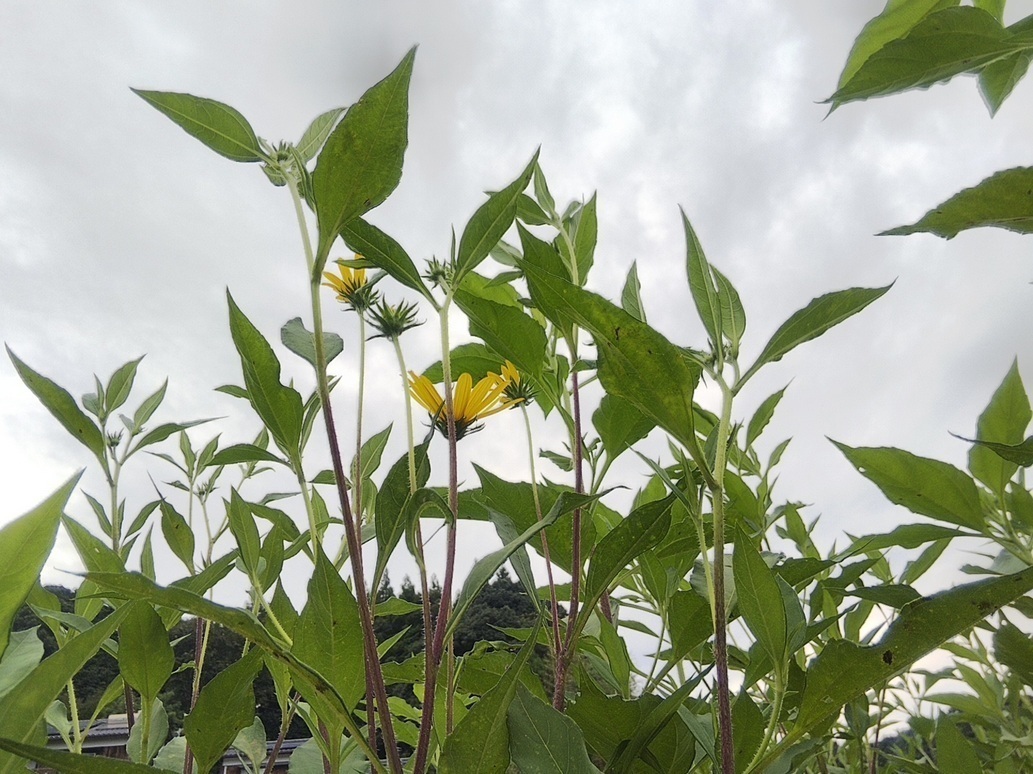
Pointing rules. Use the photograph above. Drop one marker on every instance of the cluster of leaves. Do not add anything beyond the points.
(768, 654)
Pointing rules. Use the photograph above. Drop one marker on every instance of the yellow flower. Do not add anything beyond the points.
(470, 403)
(349, 285)
(516, 391)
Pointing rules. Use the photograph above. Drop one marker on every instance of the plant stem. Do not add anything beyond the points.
(720, 614)
(776, 711)
(556, 643)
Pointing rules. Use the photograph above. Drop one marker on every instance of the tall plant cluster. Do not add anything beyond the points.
(767, 654)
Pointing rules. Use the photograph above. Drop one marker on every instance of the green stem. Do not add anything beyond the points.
(719, 612)
(776, 711)
(357, 474)
(556, 643)
(73, 708)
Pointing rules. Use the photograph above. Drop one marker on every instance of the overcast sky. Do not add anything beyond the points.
(119, 233)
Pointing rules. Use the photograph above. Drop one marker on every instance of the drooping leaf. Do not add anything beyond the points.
(361, 161)
(217, 125)
(279, 407)
(384, 252)
(62, 406)
(925, 486)
(225, 705)
(25, 544)
(328, 636)
(636, 362)
(490, 222)
(943, 44)
(543, 740)
(302, 342)
(812, 321)
(145, 657)
(1003, 200)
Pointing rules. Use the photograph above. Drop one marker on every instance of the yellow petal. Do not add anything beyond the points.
(461, 399)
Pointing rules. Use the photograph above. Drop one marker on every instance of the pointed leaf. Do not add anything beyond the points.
(120, 385)
(543, 740)
(1003, 421)
(23, 654)
(507, 330)
(762, 416)
(361, 161)
(145, 657)
(72, 763)
(620, 424)
(383, 252)
(954, 752)
(217, 125)
(62, 406)
(631, 295)
(701, 284)
(813, 320)
(25, 544)
(1002, 200)
(585, 237)
(245, 532)
(177, 534)
(760, 600)
(315, 135)
(243, 453)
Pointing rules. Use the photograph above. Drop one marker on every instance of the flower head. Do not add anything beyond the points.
(351, 286)
(392, 320)
(517, 391)
(469, 403)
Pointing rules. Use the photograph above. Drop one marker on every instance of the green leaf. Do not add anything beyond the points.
(474, 359)
(384, 252)
(278, 406)
(25, 544)
(701, 284)
(845, 670)
(514, 335)
(23, 654)
(251, 741)
(245, 532)
(896, 595)
(924, 486)
(543, 740)
(1002, 200)
(312, 140)
(763, 415)
(760, 600)
(490, 222)
(954, 753)
(747, 729)
(361, 161)
(157, 727)
(161, 432)
(150, 404)
(631, 295)
(177, 534)
(484, 569)
(733, 315)
(218, 126)
(620, 424)
(943, 44)
(1003, 421)
(328, 635)
(585, 236)
(480, 741)
(145, 657)
(302, 342)
(120, 385)
(896, 20)
(72, 763)
(905, 536)
(391, 505)
(62, 406)
(654, 722)
(225, 705)
(1014, 649)
(636, 362)
(813, 320)
(243, 453)
(644, 528)
(998, 79)
(24, 708)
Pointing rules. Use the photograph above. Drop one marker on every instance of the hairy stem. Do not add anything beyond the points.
(720, 614)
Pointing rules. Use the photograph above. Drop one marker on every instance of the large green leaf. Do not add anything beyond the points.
(62, 406)
(23, 654)
(1002, 200)
(220, 127)
(328, 635)
(810, 322)
(480, 742)
(23, 709)
(145, 657)
(279, 407)
(998, 79)
(543, 740)
(383, 251)
(943, 44)
(620, 424)
(473, 358)
(924, 486)
(507, 330)
(490, 222)
(845, 670)
(636, 362)
(905, 536)
(954, 752)
(25, 544)
(1014, 649)
(895, 21)
(644, 528)
(225, 705)
(1003, 421)
(361, 161)
(760, 600)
